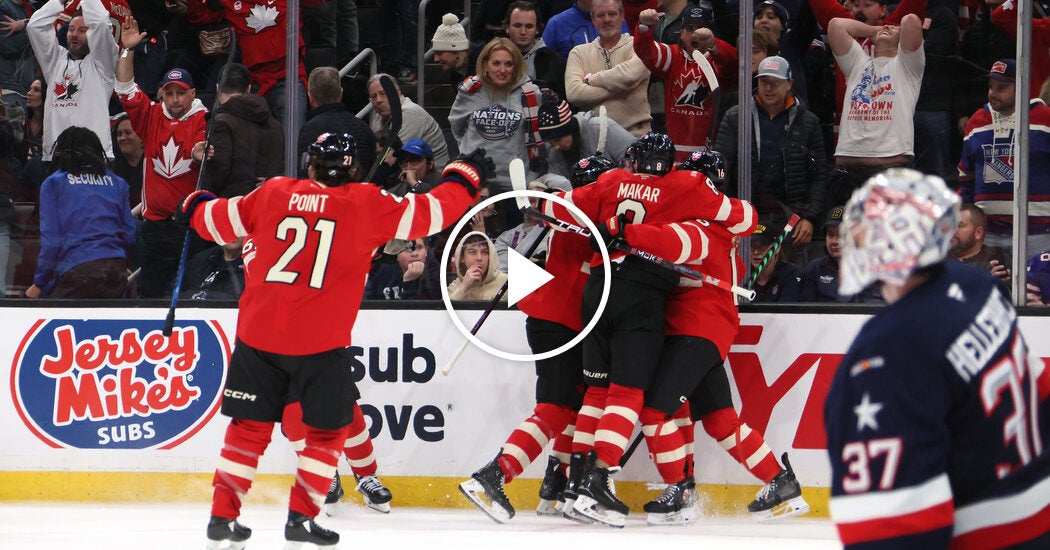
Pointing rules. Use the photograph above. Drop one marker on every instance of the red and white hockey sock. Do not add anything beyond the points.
(587, 419)
(358, 447)
(617, 422)
(314, 471)
(666, 447)
(531, 437)
(562, 447)
(292, 426)
(244, 444)
(745, 445)
(683, 419)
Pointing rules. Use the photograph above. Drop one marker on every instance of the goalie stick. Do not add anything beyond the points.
(517, 182)
(663, 262)
(169, 321)
(772, 251)
(394, 100)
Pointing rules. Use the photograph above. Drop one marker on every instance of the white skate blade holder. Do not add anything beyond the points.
(293, 545)
(226, 545)
(475, 493)
(588, 507)
(789, 509)
(548, 508)
(685, 516)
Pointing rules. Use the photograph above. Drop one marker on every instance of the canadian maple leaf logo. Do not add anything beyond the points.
(261, 17)
(170, 165)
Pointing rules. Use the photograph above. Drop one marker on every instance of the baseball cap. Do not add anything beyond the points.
(178, 76)
(777, 8)
(416, 147)
(697, 14)
(1004, 70)
(764, 232)
(834, 217)
(394, 247)
(776, 67)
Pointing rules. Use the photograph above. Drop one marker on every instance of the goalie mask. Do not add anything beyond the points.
(709, 163)
(652, 153)
(587, 170)
(900, 221)
(332, 156)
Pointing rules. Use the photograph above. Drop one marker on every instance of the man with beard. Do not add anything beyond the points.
(79, 77)
(968, 246)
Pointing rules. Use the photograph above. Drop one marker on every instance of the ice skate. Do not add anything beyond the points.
(221, 530)
(374, 493)
(567, 498)
(335, 495)
(675, 506)
(596, 498)
(485, 490)
(780, 498)
(553, 485)
(301, 529)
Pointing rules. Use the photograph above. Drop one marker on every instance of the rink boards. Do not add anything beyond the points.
(98, 406)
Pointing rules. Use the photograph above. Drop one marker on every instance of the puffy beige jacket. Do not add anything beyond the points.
(484, 290)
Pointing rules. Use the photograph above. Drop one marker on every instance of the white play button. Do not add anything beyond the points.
(523, 277)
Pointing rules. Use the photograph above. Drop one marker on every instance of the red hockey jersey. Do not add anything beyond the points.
(170, 172)
(688, 102)
(568, 257)
(310, 250)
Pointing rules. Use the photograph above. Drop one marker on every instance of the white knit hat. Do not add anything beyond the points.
(449, 36)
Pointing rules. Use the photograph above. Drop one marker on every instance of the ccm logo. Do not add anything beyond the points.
(238, 395)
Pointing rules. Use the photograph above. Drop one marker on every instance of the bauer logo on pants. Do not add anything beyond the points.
(118, 384)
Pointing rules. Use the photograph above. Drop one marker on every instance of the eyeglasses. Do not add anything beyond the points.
(409, 160)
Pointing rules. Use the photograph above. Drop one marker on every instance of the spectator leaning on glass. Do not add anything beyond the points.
(86, 226)
(79, 77)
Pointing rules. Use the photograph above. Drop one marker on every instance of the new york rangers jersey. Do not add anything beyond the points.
(937, 423)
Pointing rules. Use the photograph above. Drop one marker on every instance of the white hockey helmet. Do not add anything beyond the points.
(897, 222)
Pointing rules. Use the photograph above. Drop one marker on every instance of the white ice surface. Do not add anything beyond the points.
(88, 526)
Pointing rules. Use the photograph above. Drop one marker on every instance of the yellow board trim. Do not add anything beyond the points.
(433, 492)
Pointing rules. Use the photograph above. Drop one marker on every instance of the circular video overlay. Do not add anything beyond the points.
(521, 197)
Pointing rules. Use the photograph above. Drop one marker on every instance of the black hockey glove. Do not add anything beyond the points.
(611, 233)
(184, 213)
(470, 170)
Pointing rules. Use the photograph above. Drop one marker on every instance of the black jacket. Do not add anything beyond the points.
(249, 147)
(334, 118)
(806, 168)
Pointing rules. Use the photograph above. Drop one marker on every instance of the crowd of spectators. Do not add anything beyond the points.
(840, 92)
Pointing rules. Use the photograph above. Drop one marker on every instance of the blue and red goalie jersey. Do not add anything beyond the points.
(937, 424)
(310, 250)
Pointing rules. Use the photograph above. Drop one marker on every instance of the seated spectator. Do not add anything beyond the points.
(416, 174)
(575, 26)
(606, 71)
(779, 281)
(328, 115)
(407, 270)
(572, 137)
(247, 141)
(86, 227)
(820, 277)
(416, 122)
(522, 237)
(968, 244)
(477, 269)
(545, 66)
(688, 103)
(129, 156)
(216, 273)
(452, 50)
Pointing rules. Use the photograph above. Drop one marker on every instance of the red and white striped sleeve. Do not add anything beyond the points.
(679, 242)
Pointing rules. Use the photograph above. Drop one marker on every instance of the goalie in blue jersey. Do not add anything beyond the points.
(937, 419)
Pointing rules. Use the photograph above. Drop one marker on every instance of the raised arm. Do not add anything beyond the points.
(100, 38)
(844, 32)
(911, 33)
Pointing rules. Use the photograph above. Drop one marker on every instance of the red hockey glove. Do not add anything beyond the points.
(470, 170)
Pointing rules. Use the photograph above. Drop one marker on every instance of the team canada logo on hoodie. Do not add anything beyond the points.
(118, 384)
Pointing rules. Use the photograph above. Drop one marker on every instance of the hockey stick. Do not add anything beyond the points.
(648, 256)
(517, 182)
(772, 250)
(394, 100)
(169, 321)
(603, 130)
(716, 93)
(630, 450)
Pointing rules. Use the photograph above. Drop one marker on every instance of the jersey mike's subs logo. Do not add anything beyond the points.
(118, 384)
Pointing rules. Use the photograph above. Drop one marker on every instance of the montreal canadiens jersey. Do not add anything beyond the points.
(937, 424)
(311, 249)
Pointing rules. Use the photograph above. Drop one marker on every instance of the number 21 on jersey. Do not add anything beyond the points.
(294, 231)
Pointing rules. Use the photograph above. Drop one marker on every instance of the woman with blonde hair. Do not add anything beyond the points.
(496, 109)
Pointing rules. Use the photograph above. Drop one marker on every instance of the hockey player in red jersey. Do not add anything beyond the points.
(688, 99)
(937, 415)
(621, 353)
(553, 320)
(700, 325)
(313, 243)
